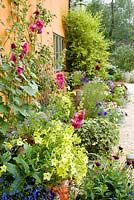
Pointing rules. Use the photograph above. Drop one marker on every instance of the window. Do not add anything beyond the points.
(58, 48)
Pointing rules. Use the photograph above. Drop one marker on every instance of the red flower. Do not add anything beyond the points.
(13, 46)
(97, 67)
(98, 164)
(36, 12)
(116, 157)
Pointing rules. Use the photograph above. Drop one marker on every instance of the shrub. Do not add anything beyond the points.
(85, 43)
(108, 179)
(98, 135)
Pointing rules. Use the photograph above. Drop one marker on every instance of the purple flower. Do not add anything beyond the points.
(105, 113)
(13, 57)
(100, 113)
(25, 48)
(84, 80)
(98, 104)
(98, 164)
(116, 157)
(13, 46)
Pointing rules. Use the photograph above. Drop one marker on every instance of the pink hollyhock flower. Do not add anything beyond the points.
(13, 46)
(25, 48)
(39, 26)
(60, 80)
(32, 27)
(13, 57)
(19, 70)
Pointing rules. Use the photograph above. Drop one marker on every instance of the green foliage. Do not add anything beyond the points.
(98, 135)
(85, 42)
(123, 57)
(118, 95)
(51, 153)
(114, 73)
(61, 106)
(93, 92)
(111, 180)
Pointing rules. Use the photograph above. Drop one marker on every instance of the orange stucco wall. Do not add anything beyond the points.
(56, 7)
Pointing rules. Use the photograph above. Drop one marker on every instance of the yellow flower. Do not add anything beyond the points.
(8, 145)
(3, 168)
(20, 142)
(46, 176)
(38, 140)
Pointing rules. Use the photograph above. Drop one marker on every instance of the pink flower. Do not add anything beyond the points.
(13, 57)
(60, 80)
(25, 48)
(39, 26)
(19, 71)
(32, 27)
(77, 119)
(13, 46)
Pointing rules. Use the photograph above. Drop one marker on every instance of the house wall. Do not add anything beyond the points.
(56, 7)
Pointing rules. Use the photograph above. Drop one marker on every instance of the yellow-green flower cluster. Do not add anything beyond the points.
(3, 169)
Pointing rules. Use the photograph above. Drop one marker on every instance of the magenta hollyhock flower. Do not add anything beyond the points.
(13, 46)
(13, 57)
(98, 164)
(60, 80)
(39, 26)
(32, 27)
(25, 48)
(19, 70)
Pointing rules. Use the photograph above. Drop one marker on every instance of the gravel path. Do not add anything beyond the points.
(127, 128)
